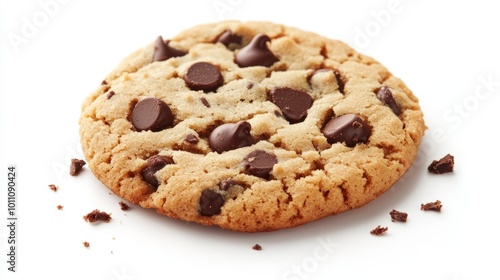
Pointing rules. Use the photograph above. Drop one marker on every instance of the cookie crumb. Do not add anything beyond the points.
(123, 206)
(86, 244)
(257, 247)
(398, 216)
(379, 230)
(60, 207)
(76, 166)
(432, 206)
(97, 215)
(444, 165)
(53, 187)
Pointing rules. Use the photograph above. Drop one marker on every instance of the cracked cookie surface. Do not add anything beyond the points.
(250, 126)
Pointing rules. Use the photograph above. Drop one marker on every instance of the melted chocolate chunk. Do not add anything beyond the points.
(163, 51)
(384, 94)
(231, 136)
(340, 80)
(203, 76)
(256, 53)
(210, 203)
(153, 164)
(444, 165)
(151, 114)
(348, 128)
(228, 37)
(293, 103)
(76, 166)
(259, 163)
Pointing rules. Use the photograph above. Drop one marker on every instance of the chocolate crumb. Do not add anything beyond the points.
(257, 247)
(379, 230)
(398, 216)
(97, 215)
(76, 166)
(53, 187)
(110, 94)
(123, 206)
(444, 165)
(432, 206)
(103, 83)
(60, 207)
(86, 244)
(205, 102)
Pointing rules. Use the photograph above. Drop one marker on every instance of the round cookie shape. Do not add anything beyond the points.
(250, 126)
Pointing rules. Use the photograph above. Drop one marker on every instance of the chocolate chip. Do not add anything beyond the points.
(340, 80)
(153, 164)
(256, 53)
(348, 128)
(203, 76)
(384, 94)
(76, 166)
(259, 163)
(225, 185)
(257, 247)
(228, 37)
(151, 114)
(231, 136)
(293, 103)
(444, 165)
(110, 94)
(163, 51)
(192, 139)
(210, 203)
(205, 102)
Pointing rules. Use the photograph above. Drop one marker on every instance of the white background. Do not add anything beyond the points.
(53, 55)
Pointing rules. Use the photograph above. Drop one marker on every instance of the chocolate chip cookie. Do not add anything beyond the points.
(250, 126)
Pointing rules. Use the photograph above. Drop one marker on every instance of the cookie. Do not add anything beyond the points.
(250, 126)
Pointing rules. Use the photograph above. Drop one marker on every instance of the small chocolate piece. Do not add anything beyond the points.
(432, 206)
(398, 216)
(96, 216)
(257, 247)
(210, 203)
(124, 206)
(76, 166)
(379, 230)
(256, 53)
(86, 244)
(153, 164)
(163, 51)
(348, 128)
(203, 76)
(225, 185)
(205, 102)
(384, 94)
(340, 80)
(444, 165)
(293, 103)
(259, 163)
(231, 136)
(110, 94)
(151, 114)
(53, 187)
(60, 207)
(191, 139)
(228, 37)
(103, 83)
